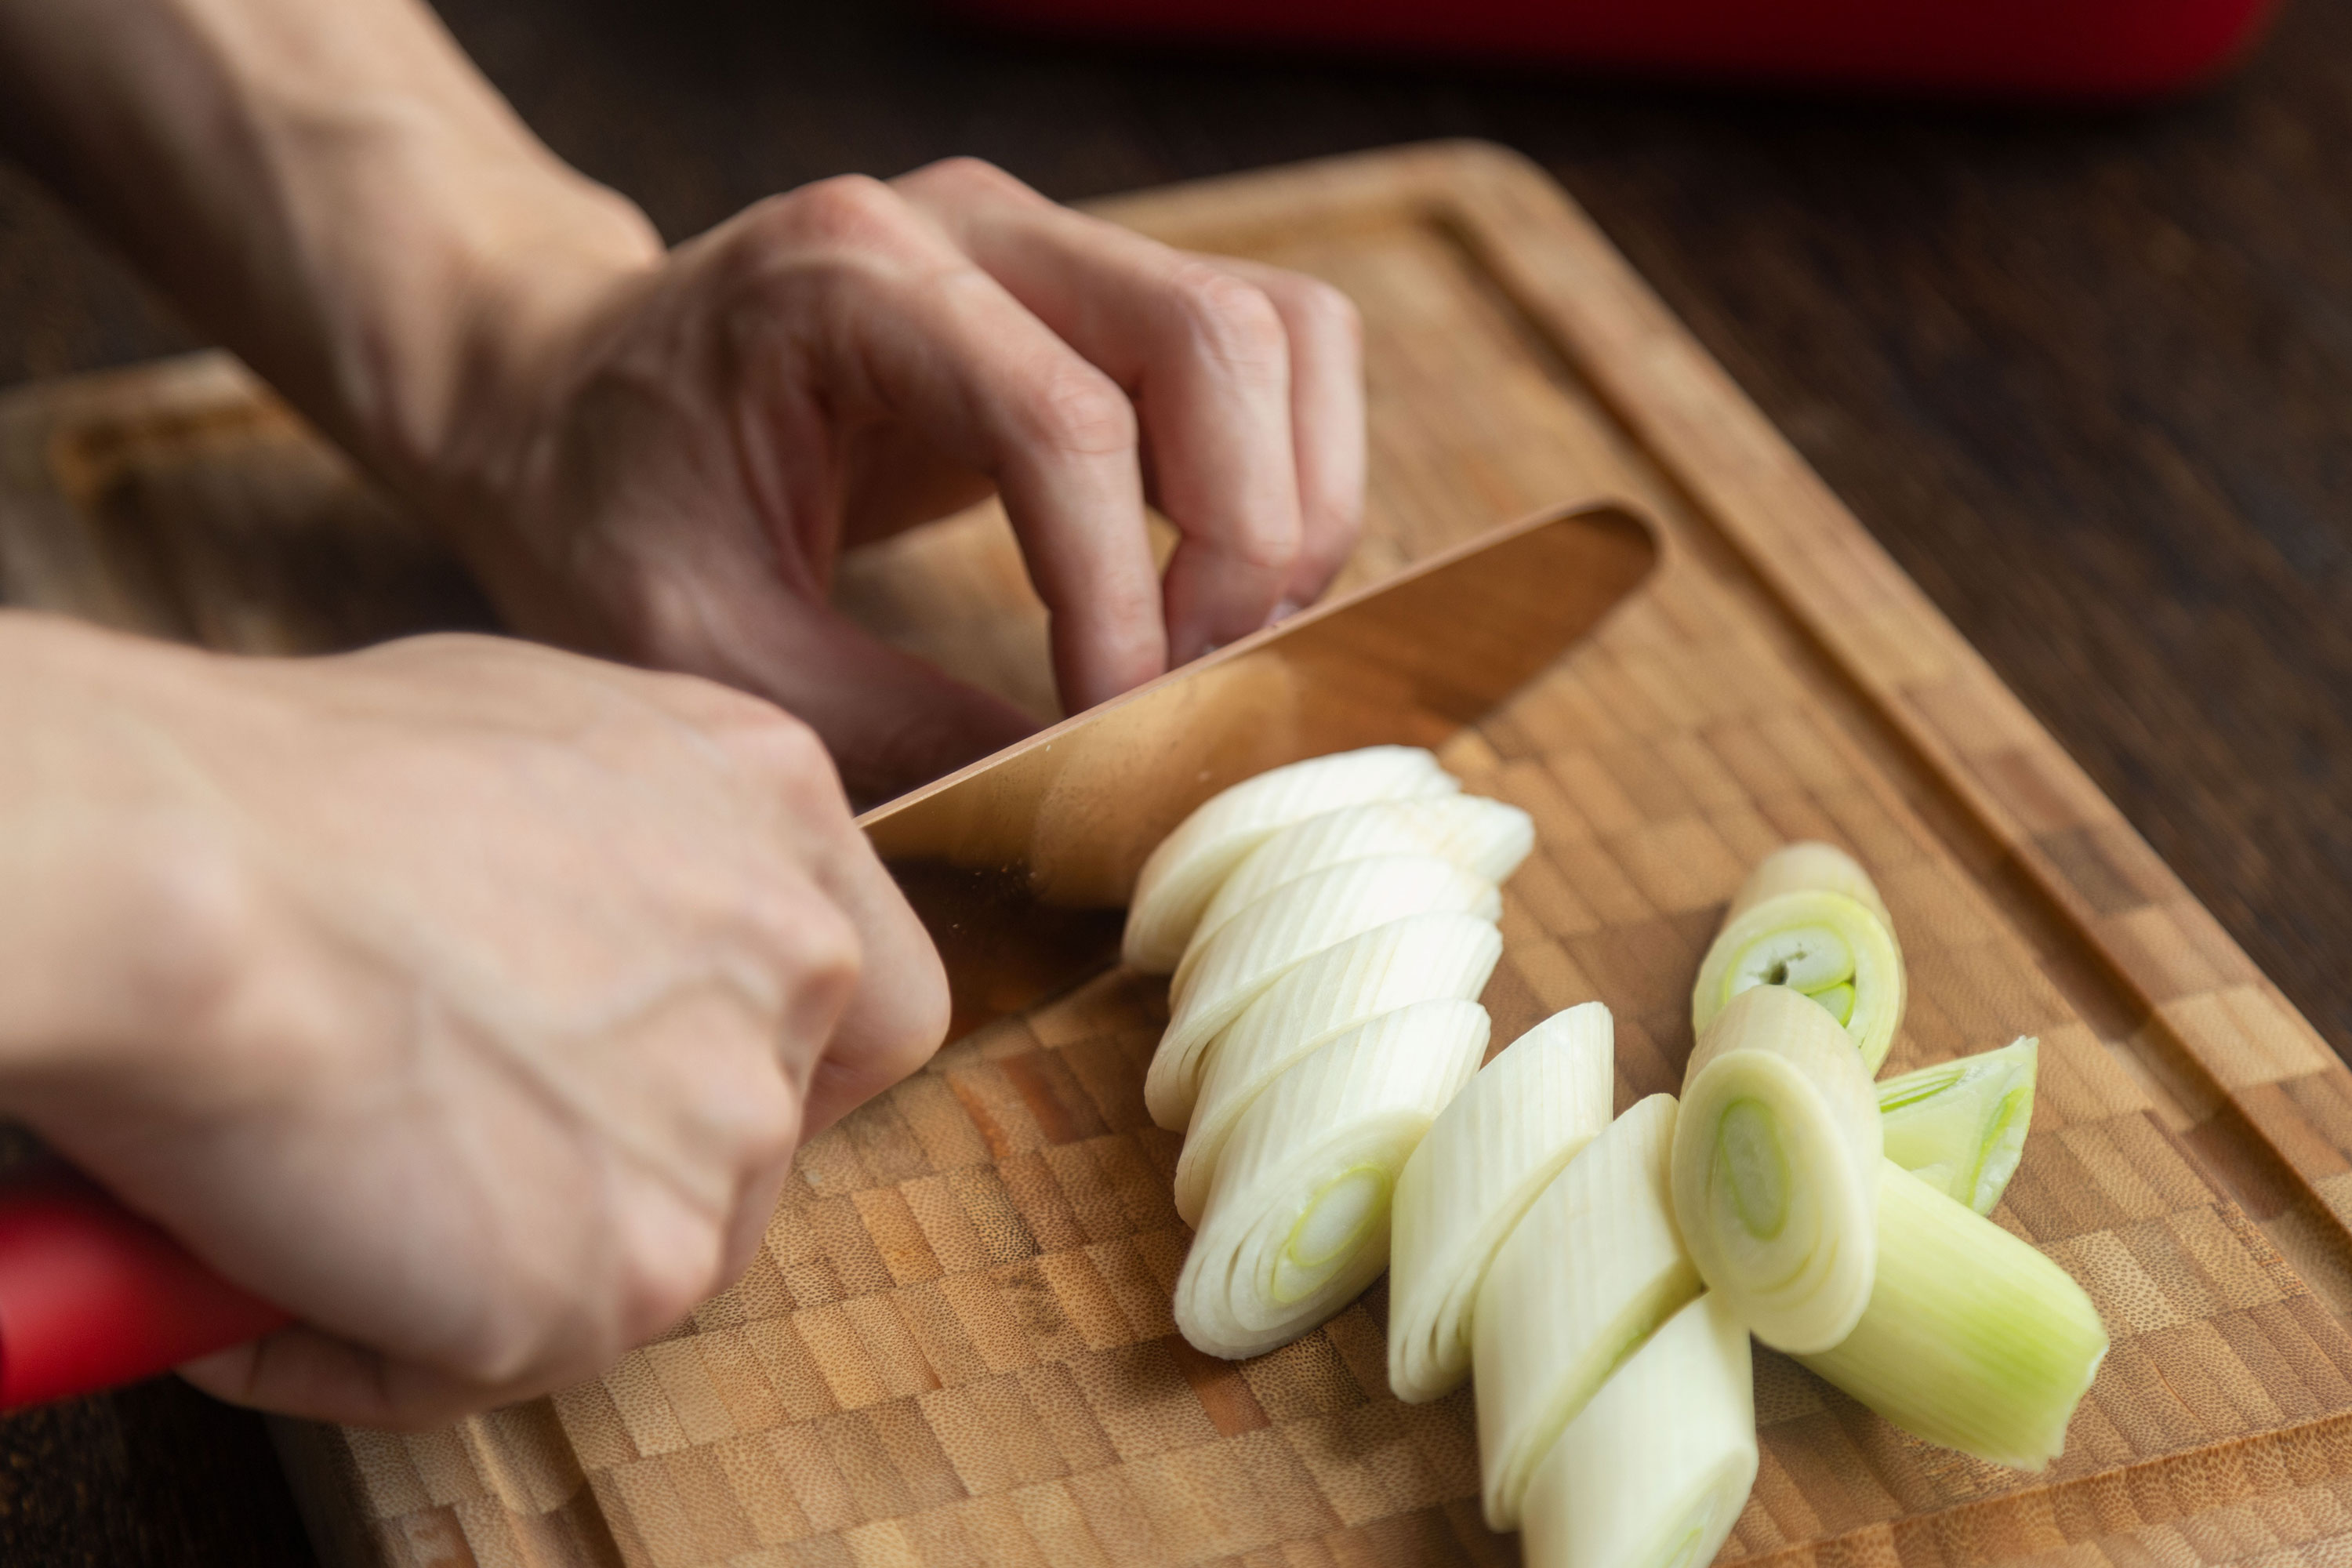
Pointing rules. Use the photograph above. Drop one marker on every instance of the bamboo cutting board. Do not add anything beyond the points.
(957, 1348)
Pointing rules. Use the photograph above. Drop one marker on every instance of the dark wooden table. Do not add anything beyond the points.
(2088, 376)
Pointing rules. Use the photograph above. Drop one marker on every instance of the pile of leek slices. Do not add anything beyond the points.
(1330, 924)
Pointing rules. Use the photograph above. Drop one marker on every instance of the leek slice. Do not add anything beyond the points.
(1960, 1126)
(1974, 1338)
(1223, 975)
(1810, 918)
(1486, 838)
(1820, 944)
(1421, 958)
(1808, 866)
(1298, 1217)
(1654, 1473)
(1776, 1156)
(1486, 1159)
(1589, 1274)
(1185, 871)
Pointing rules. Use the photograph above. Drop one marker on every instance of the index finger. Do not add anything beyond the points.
(908, 329)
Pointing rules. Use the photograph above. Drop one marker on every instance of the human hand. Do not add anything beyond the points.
(659, 455)
(465, 998)
(666, 467)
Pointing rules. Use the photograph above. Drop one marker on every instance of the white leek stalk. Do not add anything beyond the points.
(1486, 838)
(1588, 1275)
(1655, 1470)
(1421, 958)
(1298, 1217)
(1974, 1338)
(1225, 974)
(1809, 920)
(1185, 871)
(1960, 1126)
(1776, 1159)
(1486, 1157)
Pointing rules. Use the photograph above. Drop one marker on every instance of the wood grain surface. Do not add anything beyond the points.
(2085, 376)
(956, 1345)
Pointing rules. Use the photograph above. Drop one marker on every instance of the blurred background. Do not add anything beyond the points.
(2086, 369)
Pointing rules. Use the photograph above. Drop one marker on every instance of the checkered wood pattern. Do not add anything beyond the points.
(957, 1346)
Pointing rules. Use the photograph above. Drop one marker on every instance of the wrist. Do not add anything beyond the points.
(474, 257)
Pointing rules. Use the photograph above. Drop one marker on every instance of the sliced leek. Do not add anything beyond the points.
(1974, 1338)
(1297, 1218)
(1776, 1159)
(1809, 920)
(1810, 867)
(1960, 1126)
(1185, 871)
(1655, 1470)
(1486, 1159)
(1590, 1271)
(1223, 975)
(1484, 837)
(1421, 958)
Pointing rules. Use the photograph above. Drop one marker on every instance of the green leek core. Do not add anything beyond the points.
(1812, 961)
(1751, 1170)
(1334, 1226)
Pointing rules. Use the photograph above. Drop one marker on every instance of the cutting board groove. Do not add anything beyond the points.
(956, 1346)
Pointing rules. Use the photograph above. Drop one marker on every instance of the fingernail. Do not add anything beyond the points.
(1283, 611)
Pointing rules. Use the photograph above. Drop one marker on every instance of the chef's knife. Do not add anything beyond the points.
(1018, 866)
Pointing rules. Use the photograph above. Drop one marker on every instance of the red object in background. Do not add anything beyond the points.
(2045, 48)
(92, 1296)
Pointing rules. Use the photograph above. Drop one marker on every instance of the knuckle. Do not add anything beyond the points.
(505, 1346)
(197, 910)
(659, 615)
(1271, 548)
(1229, 320)
(809, 949)
(666, 1282)
(1329, 309)
(924, 1011)
(822, 945)
(670, 1258)
(977, 177)
(771, 1129)
(782, 749)
(1075, 408)
(851, 210)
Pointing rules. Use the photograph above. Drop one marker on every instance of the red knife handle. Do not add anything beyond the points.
(92, 1296)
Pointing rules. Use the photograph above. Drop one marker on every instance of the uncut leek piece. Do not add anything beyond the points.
(1223, 975)
(1974, 1338)
(1486, 1157)
(1809, 919)
(1298, 1217)
(1486, 838)
(1960, 1126)
(1655, 1470)
(1589, 1272)
(1185, 871)
(1421, 958)
(1776, 1160)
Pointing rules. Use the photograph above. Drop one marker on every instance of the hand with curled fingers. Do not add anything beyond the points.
(671, 468)
(467, 998)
